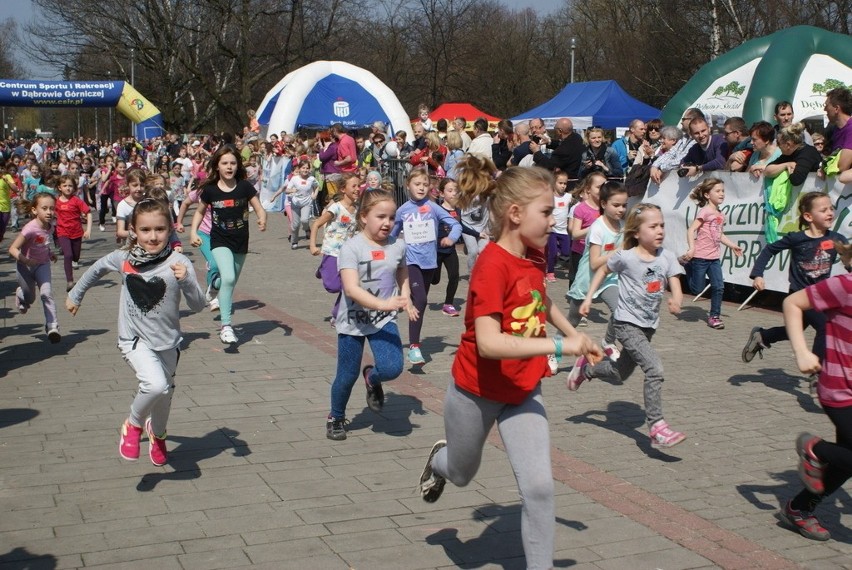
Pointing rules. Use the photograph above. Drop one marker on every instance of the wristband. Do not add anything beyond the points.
(557, 343)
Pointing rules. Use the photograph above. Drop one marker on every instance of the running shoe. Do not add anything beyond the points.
(432, 484)
(552, 363)
(584, 322)
(156, 446)
(335, 428)
(611, 351)
(375, 393)
(75, 264)
(576, 376)
(210, 293)
(754, 345)
(550, 278)
(128, 443)
(214, 305)
(227, 335)
(22, 307)
(53, 334)
(450, 311)
(811, 469)
(102, 227)
(715, 323)
(664, 436)
(805, 522)
(415, 356)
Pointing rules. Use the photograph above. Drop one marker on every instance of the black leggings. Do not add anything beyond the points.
(106, 202)
(811, 318)
(420, 280)
(450, 260)
(837, 456)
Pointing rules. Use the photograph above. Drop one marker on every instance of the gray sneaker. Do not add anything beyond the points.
(753, 346)
(335, 428)
(432, 484)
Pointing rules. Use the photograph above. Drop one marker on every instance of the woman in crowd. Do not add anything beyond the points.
(598, 156)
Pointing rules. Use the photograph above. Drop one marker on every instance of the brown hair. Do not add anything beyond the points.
(515, 186)
(634, 221)
(368, 201)
(699, 193)
(67, 178)
(146, 206)
(213, 173)
(415, 173)
(806, 204)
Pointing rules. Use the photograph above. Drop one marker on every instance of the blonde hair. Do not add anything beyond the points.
(515, 186)
(634, 221)
(592, 131)
(793, 133)
(699, 193)
(454, 140)
(416, 173)
(368, 200)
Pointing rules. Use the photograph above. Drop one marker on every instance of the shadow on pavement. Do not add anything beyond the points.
(12, 416)
(499, 545)
(394, 419)
(692, 314)
(22, 559)
(627, 419)
(772, 497)
(30, 353)
(185, 458)
(778, 379)
(431, 345)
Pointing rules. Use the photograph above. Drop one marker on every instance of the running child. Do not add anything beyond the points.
(153, 278)
(503, 352)
(31, 250)
(603, 240)
(448, 256)
(559, 242)
(375, 288)
(704, 238)
(229, 195)
(643, 268)
(586, 211)
(8, 191)
(213, 280)
(113, 182)
(135, 190)
(69, 230)
(812, 254)
(340, 225)
(301, 192)
(417, 218)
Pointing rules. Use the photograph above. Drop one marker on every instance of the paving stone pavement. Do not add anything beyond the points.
(253, 481)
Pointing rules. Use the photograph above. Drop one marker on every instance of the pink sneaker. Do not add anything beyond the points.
(664, 436)
(156, 446)
(811, 469)
(576, 376)
(450, 311)
(128, 444)
(550, 278)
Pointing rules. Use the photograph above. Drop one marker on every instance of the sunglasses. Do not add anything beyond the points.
(654, 129)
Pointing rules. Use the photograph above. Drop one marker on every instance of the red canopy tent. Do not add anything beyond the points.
(450, 111)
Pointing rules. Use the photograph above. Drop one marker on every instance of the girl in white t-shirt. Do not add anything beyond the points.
(559, 242)
(340, 224)
(301, 191)
(134, 186)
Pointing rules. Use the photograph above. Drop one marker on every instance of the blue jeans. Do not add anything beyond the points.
(696, 270)
(387, 353)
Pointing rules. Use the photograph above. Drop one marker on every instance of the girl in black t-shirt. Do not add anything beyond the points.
(229, 195)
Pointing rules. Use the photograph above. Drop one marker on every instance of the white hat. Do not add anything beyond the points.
(196, 143)
(392, 149)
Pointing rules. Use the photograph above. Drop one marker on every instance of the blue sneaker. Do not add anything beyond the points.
(415, 356)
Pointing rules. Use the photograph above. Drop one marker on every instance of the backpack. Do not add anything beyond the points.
(636, 181)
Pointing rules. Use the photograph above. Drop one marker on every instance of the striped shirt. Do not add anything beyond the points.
(833, 297)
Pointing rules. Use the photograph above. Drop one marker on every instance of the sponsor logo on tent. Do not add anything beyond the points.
(732, 90)
(340, 108)
(828, 85)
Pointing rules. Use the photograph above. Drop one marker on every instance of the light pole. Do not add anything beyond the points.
(109, 141)
(132, 82)
(573, 47)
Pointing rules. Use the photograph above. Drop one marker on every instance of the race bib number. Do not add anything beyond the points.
(609, 247)
(419, 231)
(560, 204)
(654, 286)
(378, 254)
(826, 245)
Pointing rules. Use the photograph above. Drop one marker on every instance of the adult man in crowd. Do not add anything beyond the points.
(738, 142)
(460, 124)
(481, 144)
(37, 149)
(628, 145)
(419, 142)
(567, 151)
(347, 152)
(538, 133)
(708, 152)
(522, 143)
(838, 108)
(671, 159)
(784, 118)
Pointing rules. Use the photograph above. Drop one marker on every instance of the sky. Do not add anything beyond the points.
(23, 11)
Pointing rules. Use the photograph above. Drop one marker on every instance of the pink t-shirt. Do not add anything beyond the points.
(833, 297)
(346, 147)
(36, 241)
(194, 196)
(708, 239)
(587, 215)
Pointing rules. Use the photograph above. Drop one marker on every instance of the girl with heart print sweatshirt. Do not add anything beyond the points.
(153, 278)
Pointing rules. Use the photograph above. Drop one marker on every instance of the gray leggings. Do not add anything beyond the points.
(155, 370)
(32, 280)
(636, 349)
(524, 430)
(610, 297)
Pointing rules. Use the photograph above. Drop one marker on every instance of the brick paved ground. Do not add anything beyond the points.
(253, 481)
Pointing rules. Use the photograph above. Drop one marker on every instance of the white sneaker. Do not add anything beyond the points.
(75, 264)
(552, 362)
(114, 219)
(611, 351)
(214, 305)
(210, 293)
(102, 228)
(227, 336)
(53, 333)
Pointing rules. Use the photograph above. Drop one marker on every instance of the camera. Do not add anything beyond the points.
(536, 139)
(683, 171)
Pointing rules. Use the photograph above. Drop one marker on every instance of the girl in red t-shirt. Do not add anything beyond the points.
(823, 466)
(69, 229)
(503, 352)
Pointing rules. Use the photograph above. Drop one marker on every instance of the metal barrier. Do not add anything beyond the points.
(395, 170)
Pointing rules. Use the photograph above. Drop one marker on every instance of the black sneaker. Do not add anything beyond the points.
(753, 346)
(335, 428)
(432, 484)
(375, 392)
(805, 522)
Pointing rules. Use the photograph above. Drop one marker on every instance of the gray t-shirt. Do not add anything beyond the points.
(376, 267)
(641, 285)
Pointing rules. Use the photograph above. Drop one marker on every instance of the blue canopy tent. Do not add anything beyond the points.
(592, 103)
